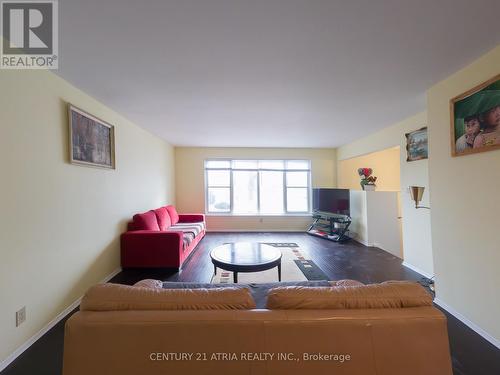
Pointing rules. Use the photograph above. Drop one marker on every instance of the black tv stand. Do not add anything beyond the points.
(330, 226)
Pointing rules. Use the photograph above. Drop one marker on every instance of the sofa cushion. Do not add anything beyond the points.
(258, 291)
(163, 218)
(174, 216)
(190, 230)
(149, 283)
(346, 282)
(194, 228)
(146, 221)
(113, 297)
(374, 296)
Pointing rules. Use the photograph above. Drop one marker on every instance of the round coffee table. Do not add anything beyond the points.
(246, 257)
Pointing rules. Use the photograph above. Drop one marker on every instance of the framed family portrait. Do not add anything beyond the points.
(417, 145)
(92, 141)
(475, 119)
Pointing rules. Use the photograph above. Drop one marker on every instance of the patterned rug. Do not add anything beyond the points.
(295, 266)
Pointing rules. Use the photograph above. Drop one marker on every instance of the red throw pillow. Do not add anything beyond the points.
(146, 221)
(174, 216)
(163, 218)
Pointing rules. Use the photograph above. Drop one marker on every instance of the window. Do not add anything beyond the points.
(257, 187)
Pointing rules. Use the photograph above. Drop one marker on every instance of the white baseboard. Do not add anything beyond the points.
(468, 323)
(16, 353)
(416, 269)
(354, 236)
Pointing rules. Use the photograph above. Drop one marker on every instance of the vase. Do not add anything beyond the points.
(369, 187)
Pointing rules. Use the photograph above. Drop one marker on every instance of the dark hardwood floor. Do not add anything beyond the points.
(472, 355)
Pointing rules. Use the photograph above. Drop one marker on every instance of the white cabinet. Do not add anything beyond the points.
(375, 220)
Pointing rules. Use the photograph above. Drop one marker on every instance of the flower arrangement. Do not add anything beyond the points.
(366, 178)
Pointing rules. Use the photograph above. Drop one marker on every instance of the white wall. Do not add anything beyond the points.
(383, 224)
(417, 247)
(465, 206)
(60, 223)
(375, 222)
(417, 240)
(189, 166)
(358, 209)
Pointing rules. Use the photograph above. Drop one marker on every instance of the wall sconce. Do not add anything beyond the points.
(416, 193)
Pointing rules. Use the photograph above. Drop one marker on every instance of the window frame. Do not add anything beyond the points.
(207, 187)
(284, 171)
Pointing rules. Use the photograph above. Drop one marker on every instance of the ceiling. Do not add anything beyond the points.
(269, 73)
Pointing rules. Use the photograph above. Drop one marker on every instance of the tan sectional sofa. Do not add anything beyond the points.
(389, 329)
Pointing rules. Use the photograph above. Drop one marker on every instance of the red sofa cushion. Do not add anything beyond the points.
(174, 216)
(191, 218)
(163, 218)
(146, 221)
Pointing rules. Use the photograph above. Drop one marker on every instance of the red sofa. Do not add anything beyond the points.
(161, 238)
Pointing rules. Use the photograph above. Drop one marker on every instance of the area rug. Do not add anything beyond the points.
(295, 266)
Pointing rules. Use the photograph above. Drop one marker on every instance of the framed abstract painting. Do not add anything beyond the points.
(475, 119)
(92, 141)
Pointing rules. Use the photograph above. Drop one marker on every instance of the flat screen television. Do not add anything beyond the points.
(335, 201)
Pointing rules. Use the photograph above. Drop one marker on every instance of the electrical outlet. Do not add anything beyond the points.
(20, 316)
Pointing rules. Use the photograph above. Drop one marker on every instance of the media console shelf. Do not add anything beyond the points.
(330, 226)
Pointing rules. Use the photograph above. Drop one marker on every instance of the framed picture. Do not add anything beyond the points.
(475, 119)
(416, 145)
(92, 141)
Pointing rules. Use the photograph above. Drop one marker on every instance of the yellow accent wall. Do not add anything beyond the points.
(465, 208)
(416, 224)
(190, 184)
(385, 165)
(60, 223)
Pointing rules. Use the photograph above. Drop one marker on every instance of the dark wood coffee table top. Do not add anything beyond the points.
(246, 257)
